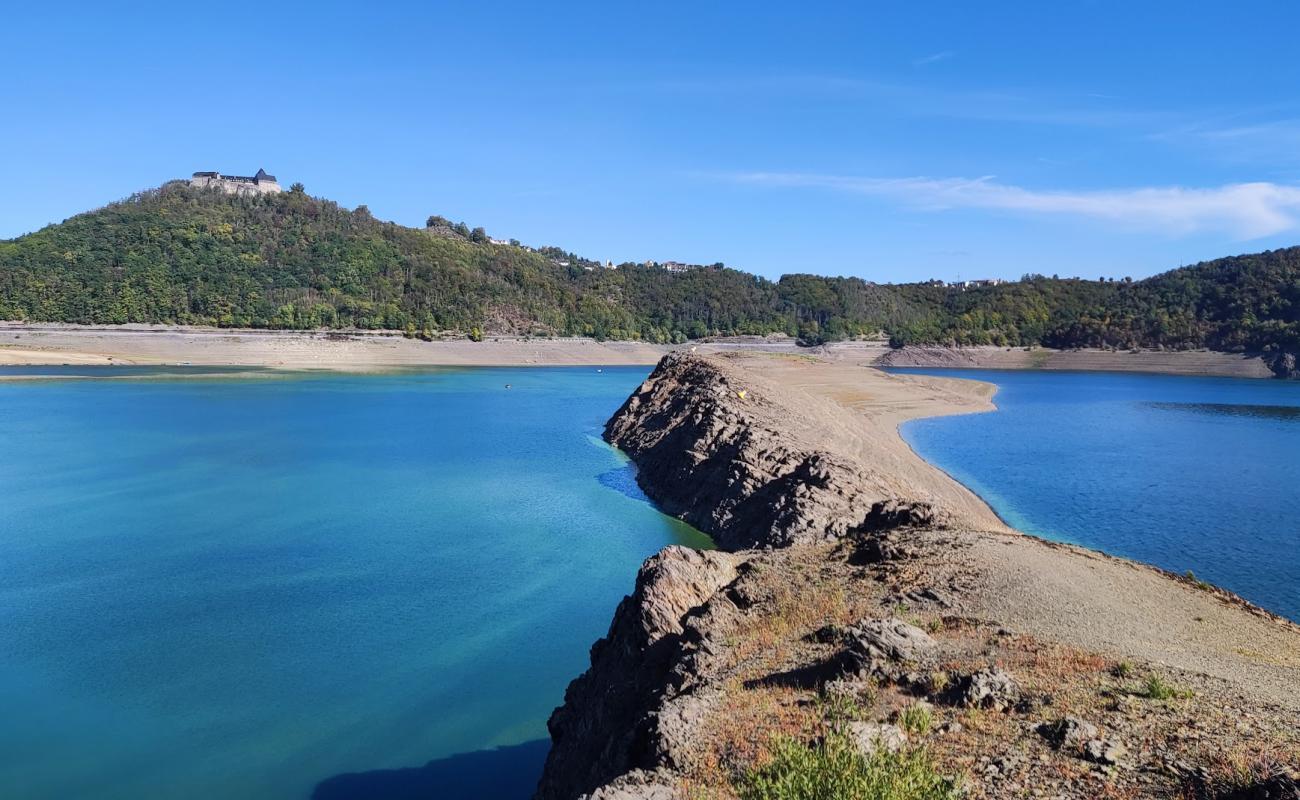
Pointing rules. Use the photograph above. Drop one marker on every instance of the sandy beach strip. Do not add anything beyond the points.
(359, 351)
(142, 345)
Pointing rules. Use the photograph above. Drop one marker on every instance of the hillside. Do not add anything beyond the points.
(190, 256)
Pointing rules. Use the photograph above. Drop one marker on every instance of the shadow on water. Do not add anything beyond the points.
(1289, 413)
(623, 481)
(505, 773)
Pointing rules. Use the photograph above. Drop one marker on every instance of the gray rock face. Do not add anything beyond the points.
(632, 710)
(990, 688)
(1103, 751)
(1284, 365)
(1069, 733)
(883, 647)
(636, 785)
(703, 456)
(869, 737)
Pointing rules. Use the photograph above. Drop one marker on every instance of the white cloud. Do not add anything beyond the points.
(933, 57)
(1244, 210)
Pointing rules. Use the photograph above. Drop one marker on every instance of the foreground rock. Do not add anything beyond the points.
(865, 594)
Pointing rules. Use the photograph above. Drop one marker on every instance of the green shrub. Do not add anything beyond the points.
(1157, 688)
(916, 719)
(838, 708)
(835, 769)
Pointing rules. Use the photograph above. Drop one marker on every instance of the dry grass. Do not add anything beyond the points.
(790, 602)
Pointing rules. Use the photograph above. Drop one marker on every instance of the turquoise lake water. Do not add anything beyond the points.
(1185, 473)
(245, 588)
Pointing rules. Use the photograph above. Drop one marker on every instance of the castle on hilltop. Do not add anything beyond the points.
(261, 183)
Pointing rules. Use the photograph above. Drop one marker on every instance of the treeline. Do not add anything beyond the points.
(189, 256)
(200, 257)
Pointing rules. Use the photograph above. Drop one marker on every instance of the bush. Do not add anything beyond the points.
(916, 719)
(835, 769)
(1157, 688)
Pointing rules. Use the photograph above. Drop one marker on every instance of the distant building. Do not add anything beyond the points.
(976, 284)
(679, 267)
(261, 183)
(498, 241)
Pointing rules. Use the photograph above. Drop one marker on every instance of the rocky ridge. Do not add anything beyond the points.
(844, 599)
(704, 455)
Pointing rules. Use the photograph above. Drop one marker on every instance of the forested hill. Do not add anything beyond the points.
(190, 256)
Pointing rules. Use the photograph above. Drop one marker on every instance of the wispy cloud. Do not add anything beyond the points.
(998, 105)
(933, 57)
(1271, 141)
(1244, 210)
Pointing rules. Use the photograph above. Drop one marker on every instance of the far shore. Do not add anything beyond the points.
(80, 345)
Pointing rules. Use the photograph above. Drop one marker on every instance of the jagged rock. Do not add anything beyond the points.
(990, 688)
(703, 455)
(1284, 365)
(869, 737)
(1069, 733)
(636, 785)
(675, 580)
(875, 550)
(883, 646)
(620, 714)
(616, 792)
(1103, 751)
(831, 634)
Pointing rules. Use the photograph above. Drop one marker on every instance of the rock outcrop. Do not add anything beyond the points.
(619, 716)
(704, 455)
(857, 588)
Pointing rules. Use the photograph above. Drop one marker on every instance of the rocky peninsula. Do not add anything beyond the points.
(861, 595)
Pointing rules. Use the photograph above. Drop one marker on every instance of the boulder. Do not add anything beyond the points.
(882, 646)
(1103, 751)
(872, 736)
(1069, 733)
(990, 688)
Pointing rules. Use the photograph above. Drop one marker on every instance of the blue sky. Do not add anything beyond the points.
(895, 141)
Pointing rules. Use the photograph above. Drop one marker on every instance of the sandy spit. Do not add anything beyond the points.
(1058, 592)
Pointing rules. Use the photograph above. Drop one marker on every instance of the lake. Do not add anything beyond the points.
(217, 587)
(1185, 473)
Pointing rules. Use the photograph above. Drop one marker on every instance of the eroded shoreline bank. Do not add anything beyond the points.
(59, 344)
(832, 527)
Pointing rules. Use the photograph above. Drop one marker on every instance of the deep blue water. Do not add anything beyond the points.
(221, 588)
(1185, 473)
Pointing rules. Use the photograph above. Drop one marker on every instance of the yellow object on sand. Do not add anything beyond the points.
(741, 394)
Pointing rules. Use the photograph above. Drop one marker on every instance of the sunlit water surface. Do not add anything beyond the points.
(216, 587)
(1186, 473)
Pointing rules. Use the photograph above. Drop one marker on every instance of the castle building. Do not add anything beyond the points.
(261, 183)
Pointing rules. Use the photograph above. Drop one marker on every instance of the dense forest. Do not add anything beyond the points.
(197, 256)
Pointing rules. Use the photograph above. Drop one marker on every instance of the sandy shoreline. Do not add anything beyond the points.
(1167, 362)
(1072, 594)
(54, 344)
(143, 345)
